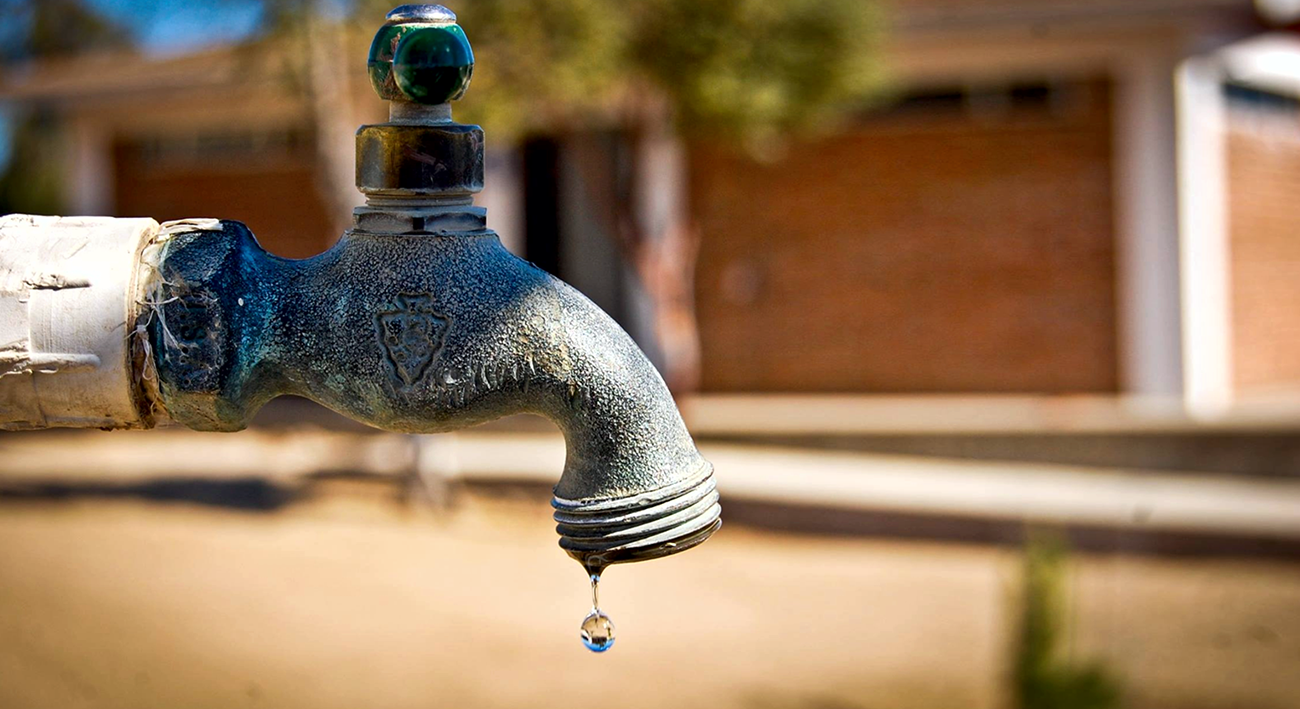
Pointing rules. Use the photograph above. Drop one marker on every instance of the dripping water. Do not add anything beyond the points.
(597, 630)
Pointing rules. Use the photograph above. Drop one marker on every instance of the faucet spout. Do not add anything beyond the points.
(430, 332)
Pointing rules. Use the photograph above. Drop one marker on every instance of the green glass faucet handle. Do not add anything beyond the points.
(420, 55)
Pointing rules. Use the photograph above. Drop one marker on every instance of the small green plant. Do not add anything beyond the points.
(1044, 676)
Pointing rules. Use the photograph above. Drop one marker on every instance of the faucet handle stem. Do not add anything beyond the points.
(420, 170)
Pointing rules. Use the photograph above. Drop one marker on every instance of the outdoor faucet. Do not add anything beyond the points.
(418, 320)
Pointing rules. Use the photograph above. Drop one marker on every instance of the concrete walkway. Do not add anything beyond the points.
(900, 485)
(343, 601)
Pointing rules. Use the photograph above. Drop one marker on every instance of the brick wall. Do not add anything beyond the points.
(266, 182)
(1264, 228)
(925, 251)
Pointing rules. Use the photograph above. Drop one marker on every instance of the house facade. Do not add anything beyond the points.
(1071, 197)
(1060, 197)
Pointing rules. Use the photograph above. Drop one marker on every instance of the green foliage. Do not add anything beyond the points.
(741, 68)
(1043, 678)
(31, 180)
(540, 61)
(757, 66)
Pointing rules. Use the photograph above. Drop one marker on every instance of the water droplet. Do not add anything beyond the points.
(597, 629)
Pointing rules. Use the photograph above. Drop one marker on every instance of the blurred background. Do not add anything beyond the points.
(986, 311)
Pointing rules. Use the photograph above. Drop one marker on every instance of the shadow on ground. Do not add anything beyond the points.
(248, 494)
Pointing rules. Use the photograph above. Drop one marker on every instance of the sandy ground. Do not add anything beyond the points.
(353, 600)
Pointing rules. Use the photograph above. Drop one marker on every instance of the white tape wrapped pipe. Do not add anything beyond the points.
(70, 297)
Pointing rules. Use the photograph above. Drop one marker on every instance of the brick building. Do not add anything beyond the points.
(1059, 197)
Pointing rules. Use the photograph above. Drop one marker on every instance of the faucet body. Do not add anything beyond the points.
(416, 332)
(430, 332)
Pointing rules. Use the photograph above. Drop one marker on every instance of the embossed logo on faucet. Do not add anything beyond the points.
(412, 333)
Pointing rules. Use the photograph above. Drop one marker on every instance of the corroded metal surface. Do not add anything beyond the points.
(409, 159)
(425, 333)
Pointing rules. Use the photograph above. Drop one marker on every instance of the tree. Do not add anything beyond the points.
(749, 72)
(44, 29)
(35, 30)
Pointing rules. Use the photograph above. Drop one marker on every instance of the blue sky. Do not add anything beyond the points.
(171, 27)
(177, 26)
(165, 27)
